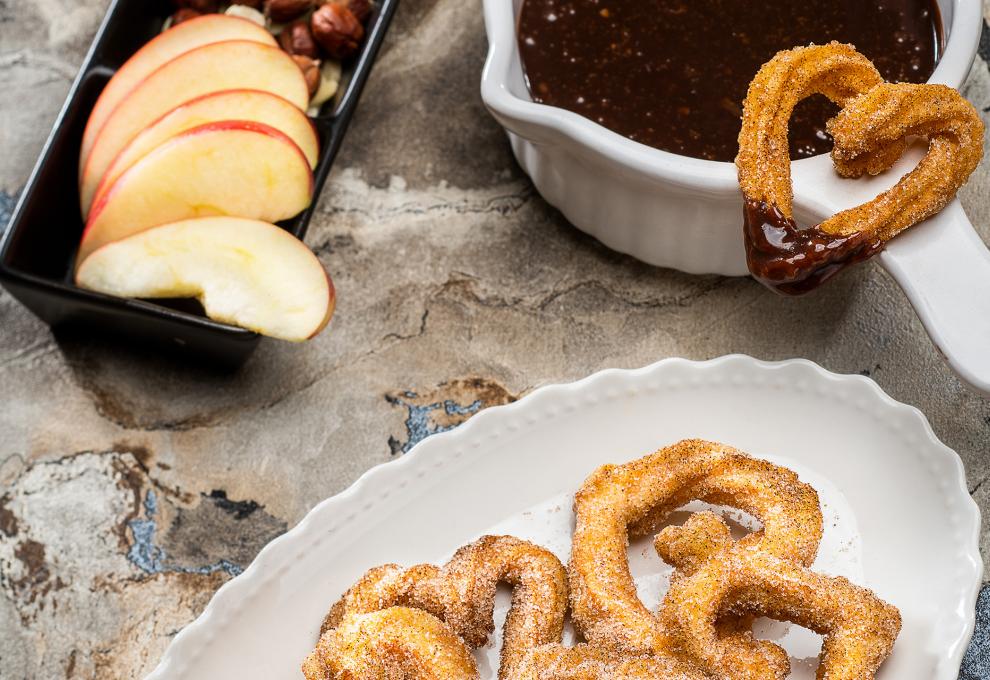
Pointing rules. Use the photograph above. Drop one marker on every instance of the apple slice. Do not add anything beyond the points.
(251, 105)
(186, 36)
(226, 168)
(229, 65)
(244, 272)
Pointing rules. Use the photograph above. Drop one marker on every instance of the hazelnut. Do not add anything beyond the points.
(253, 4)
(311, 71)
(201, 6)
(281, 11)
(297, 38)
(361, 9)
(183, 14)
(337, 30)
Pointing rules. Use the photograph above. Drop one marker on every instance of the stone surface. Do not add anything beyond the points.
(131, 487)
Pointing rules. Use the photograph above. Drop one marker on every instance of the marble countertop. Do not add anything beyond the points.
(132, 487)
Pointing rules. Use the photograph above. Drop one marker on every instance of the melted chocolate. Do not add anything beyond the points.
(794, 261)
(673, 73)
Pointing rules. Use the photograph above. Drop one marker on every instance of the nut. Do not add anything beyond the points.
(253, 4)
(201, 6)
(311, 71)
(281, 11)
(297, 38)
(337, 30)
(359, 8)
(183, 14)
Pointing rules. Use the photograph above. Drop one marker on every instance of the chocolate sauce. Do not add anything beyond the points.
(673, 73)
(794, 261)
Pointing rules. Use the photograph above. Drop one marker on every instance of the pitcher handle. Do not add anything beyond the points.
(943, 266)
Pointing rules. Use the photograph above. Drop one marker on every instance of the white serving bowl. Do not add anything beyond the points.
(895, 495)
(686, 213)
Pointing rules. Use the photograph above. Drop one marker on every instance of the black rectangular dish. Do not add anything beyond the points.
(38, 248)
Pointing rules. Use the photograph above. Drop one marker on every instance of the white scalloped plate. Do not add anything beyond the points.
(899, 517)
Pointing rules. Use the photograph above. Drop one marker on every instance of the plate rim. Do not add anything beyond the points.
(195, 636)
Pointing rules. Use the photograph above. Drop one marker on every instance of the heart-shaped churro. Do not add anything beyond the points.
(871, 132)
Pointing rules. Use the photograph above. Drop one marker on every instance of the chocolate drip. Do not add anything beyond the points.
(793, 261)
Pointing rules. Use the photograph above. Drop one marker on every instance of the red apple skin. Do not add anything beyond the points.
(92, 125)
(252, 126)
(100, 188)
(331, 306)
(125, 265)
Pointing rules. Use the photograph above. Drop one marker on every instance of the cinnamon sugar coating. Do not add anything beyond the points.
(835, 70)
(593, 662)
(397, 643)
(871, 131)
(859, 628)
(635, 498)
(462, 594)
